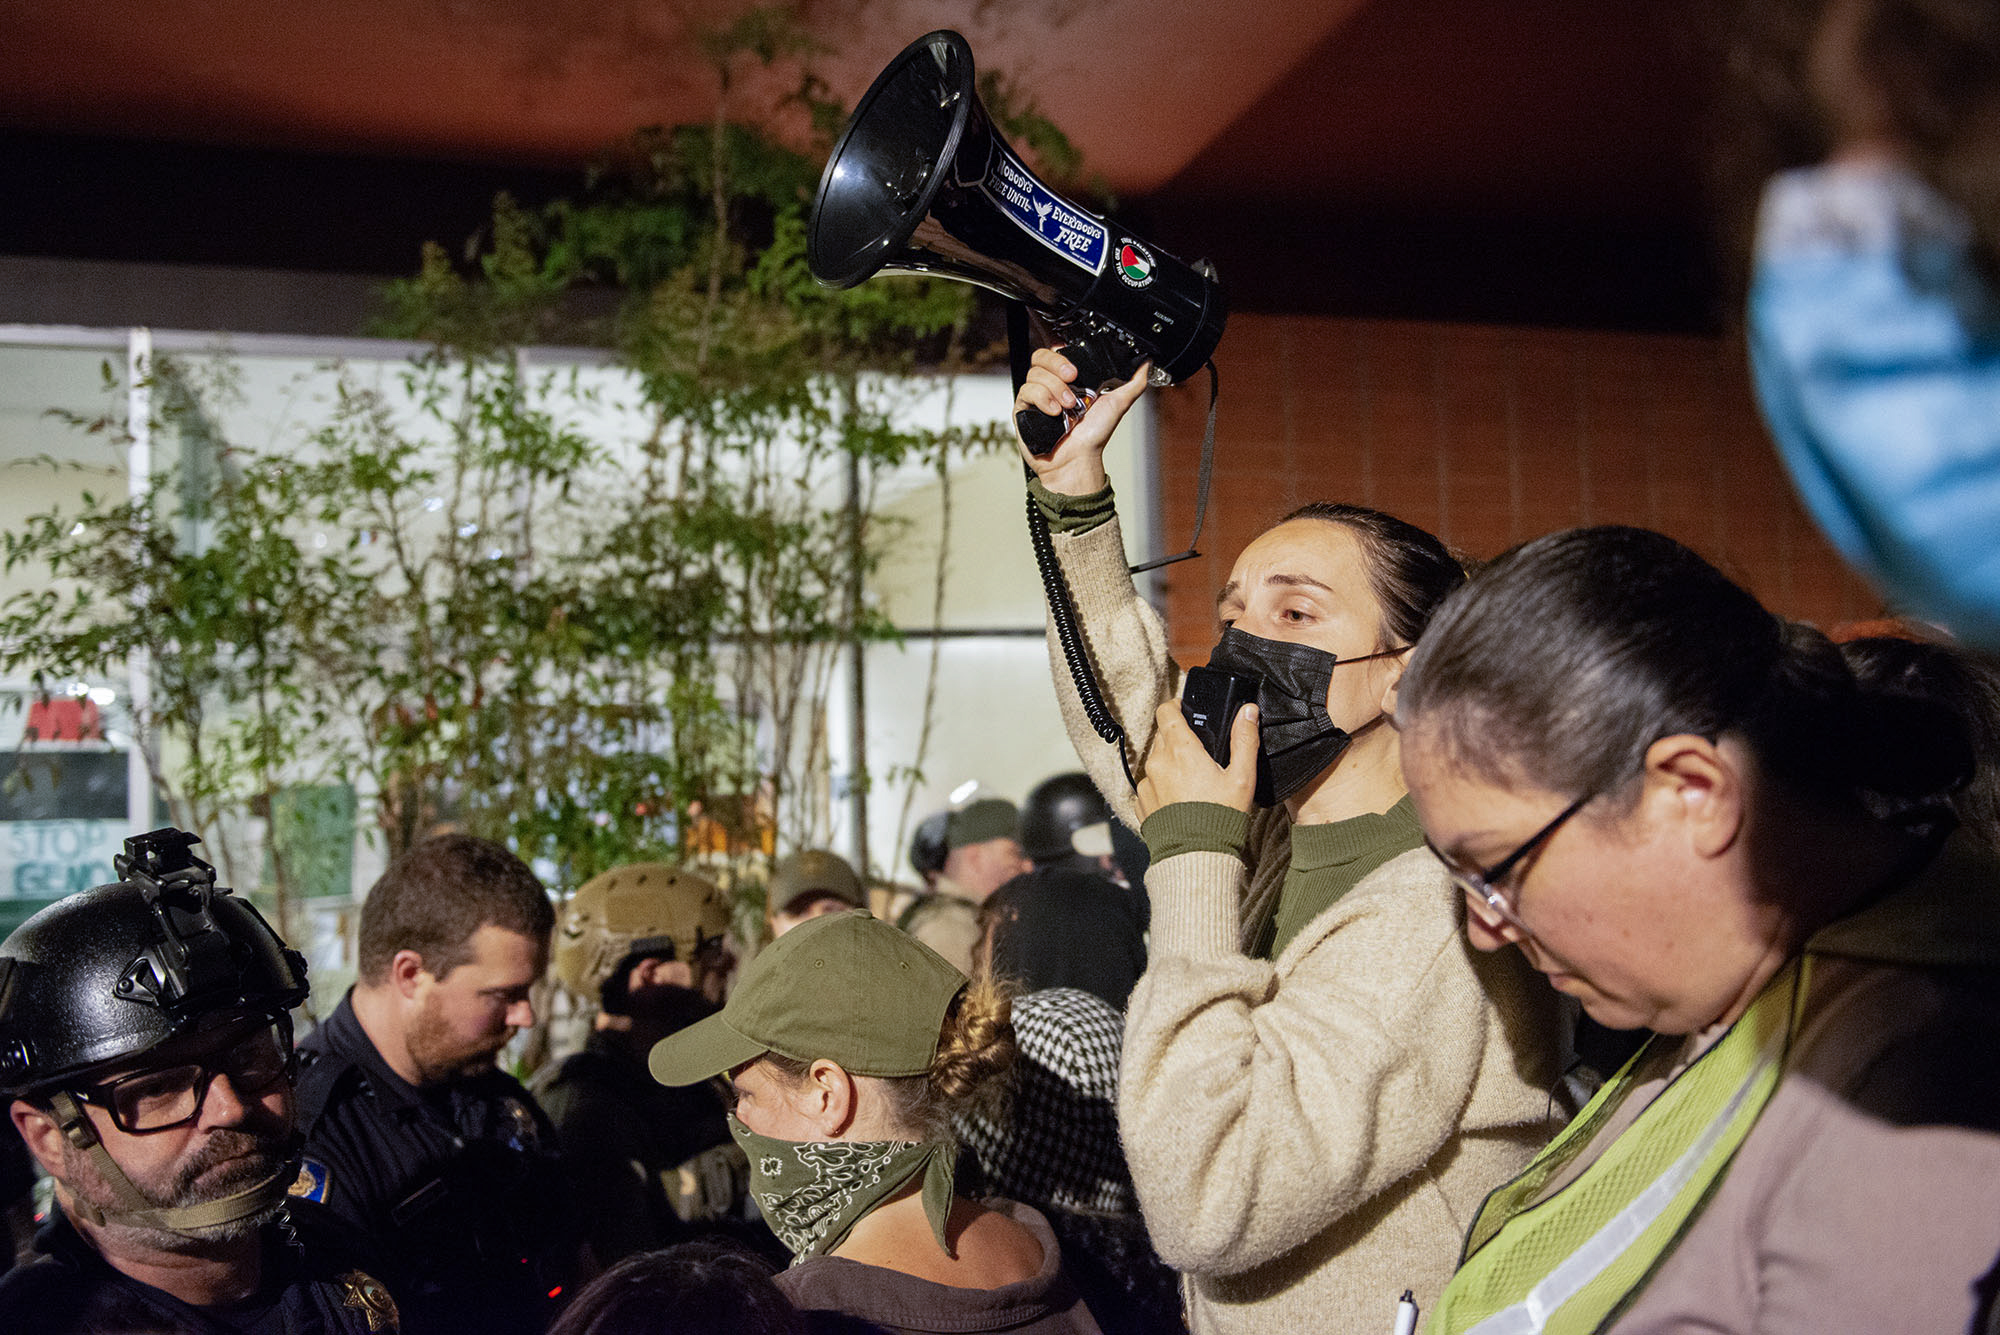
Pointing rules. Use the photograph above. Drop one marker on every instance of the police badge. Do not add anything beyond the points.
(366, 1295)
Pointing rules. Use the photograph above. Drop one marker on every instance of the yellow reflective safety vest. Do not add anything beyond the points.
(1575, 1261)
(1571, 1263)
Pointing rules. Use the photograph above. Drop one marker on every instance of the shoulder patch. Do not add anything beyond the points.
(311, 1183)
(520, 1131)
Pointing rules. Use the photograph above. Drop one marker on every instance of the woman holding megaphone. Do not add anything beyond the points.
(1321, 1079)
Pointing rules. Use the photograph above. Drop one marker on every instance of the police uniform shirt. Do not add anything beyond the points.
(459, 1184)
(313, 1284)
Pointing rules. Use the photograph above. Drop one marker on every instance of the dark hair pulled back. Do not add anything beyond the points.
(1967, 684)
(1409, 571)
(1563, 660)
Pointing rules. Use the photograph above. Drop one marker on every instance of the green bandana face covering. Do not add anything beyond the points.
(814, 1192)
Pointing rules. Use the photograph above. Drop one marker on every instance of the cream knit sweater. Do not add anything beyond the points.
(1309, 1135)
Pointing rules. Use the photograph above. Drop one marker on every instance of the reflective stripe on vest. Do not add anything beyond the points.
(1570, 1263)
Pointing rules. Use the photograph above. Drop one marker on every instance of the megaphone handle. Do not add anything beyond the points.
(1041, 432)
(1101, 363)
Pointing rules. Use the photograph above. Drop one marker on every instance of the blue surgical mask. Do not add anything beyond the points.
(1875, 342)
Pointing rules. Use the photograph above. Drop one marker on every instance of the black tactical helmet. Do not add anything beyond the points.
(1055, 809)
(110, 973)
(927, 846)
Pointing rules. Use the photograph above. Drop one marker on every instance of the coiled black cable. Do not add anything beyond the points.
(1062, 612)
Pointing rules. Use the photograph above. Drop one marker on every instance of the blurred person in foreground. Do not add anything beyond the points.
(1687, 814)
(849, 1047)
(1874, 312)
(146, 1050)
(413, 1133)
(646, 944)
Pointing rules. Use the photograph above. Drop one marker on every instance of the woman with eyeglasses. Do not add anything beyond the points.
(1320, 1079)
(1689, 816)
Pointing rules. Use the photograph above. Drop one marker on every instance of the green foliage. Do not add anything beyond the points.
(770, 415)
(218, 624)
(449, 594)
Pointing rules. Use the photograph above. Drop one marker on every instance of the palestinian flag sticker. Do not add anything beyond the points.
(1135, 264)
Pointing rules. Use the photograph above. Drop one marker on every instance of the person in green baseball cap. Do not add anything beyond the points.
(807, 885)
(978, 852)
(848, 1047)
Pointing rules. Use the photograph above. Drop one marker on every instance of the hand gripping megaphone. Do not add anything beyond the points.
(921, 181)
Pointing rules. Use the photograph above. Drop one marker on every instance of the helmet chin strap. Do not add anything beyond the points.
(134, 1210)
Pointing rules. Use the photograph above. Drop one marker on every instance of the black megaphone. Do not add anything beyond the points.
(920, 180)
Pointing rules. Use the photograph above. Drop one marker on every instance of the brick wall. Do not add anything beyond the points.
(1488, 436)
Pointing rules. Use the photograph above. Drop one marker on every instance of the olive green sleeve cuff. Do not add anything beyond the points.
(1072, 514)
(1195, 827)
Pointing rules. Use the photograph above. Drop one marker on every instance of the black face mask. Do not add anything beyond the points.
(1296, 738)
(670, 1007)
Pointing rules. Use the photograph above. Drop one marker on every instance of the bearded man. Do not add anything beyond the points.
(146, 1059)
(413, 1133)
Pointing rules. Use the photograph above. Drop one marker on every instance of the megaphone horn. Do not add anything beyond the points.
(920, 181)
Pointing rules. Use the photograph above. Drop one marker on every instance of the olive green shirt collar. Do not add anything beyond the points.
(1331, 859)
(1327, 860)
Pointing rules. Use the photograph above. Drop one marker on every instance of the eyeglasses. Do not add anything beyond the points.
(1483, 884)
(171, 1096)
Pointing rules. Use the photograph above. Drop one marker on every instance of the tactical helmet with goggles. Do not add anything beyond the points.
(134, 997)
(646, 910)
(106, 975)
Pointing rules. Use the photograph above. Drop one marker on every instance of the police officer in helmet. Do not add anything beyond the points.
(1060, 824)
(646, 945)
(963, 857)
(146, 1055)
(927, 850)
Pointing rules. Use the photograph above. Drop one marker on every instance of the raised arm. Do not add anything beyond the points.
(1076, 466)
(1124, 637)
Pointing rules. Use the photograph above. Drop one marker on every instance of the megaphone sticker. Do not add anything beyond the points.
(1037, 210)
(1135, 264)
